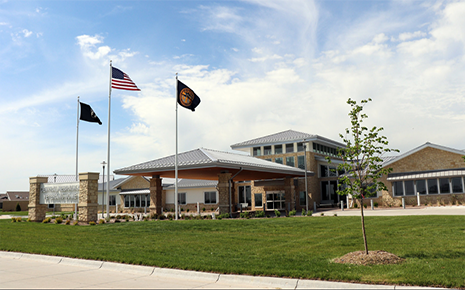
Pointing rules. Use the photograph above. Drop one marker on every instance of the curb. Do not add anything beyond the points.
(82, 263)
(191, 275)
(272, 282)
(43, 258)
(136, 269)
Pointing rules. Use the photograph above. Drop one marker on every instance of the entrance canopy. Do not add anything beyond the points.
(206, 164)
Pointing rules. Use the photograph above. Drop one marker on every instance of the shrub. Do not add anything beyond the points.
(107, 219)
(375, 204)
(182, 209)
(277, 213)
(303, 212)
(203, 209)
(212, 209)
(322, 214)
(309, 213)
(335, 214)
(18, 207)
(67, 222)
(355, 205)
(244, 215)
(47, 220)
(259, 213)
(76, 223)
(58, 220)
(223, 215)
(364, 205)
(172, 210)
(101, 221)
(292, 212)
(118, 216)
(187, 210)
(13, 219)
(117, 221)
(92, 223)
(183, 216)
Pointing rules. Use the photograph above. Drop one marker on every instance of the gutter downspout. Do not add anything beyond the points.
(230, 195)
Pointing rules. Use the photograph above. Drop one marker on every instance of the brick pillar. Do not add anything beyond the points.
(37, 211)
(156, 190)
(223, 191)
(288, 192)
(88, 194)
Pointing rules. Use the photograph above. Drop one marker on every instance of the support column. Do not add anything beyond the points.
(88, 197)
(288, 192)
(37, 211)
(156, 190)
(223, 191)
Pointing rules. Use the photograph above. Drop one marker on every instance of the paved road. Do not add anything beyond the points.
(417, 210)
(27, 271)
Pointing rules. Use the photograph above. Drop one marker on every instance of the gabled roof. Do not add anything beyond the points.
(114, 184)
(283, 137)
(17, 195)
(206, 164)
(421, 147)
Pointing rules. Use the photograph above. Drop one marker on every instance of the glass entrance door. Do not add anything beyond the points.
(275, 200)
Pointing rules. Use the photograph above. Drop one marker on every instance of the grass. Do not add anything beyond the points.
(15, 213)
(433, 246)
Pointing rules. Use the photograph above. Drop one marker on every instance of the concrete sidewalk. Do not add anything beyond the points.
(397, 211)
(29, 271)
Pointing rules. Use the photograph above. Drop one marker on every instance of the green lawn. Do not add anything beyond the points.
(299, 247)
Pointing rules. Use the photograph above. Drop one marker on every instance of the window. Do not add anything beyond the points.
(210, 197)
(398, 188)
(290, 148)
(51, 205)
(322, 149)
(302, 198)
(245, 195)
(421, 186)
(457, 185)
(409, 188)
(131, 201)
(112, 200)
(278, 149)
(301, 162)
(137, 200)
(256, 151)
(126, 201)
(290, 161)
(432, 186)
(258, 200)
(444, 185)
(267, 150)
(268, 159)
(182, 198)
(148, 200)
(300, 147)
(324, 171)
(275, 200)
(278, 160)
(332, 172)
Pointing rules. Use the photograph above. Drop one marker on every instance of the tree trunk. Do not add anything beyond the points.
(363, 226)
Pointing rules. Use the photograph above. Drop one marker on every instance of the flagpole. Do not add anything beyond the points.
(108, 147)
(77, 144)
(176, 155)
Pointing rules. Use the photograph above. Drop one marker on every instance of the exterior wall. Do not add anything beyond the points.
(423, 160)
(193, 195)
(10, 205)
(137, 182)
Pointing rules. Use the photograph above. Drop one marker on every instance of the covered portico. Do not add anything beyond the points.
(207, 164)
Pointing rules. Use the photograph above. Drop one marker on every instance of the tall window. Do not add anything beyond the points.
(256, 151)
(432, 186)
(245, 195)
(258, 200)
(457, 185)
(301, 162)
(267, 150)
(409, 188)
(290, 161)
(182, 198)
(278, 149)
(300, 147)
(112, 200)
(398, 188)
(278, 160)
(289, 147)
(302, 198)
(210, 197)
(421, 186)
(444, 185)
(428, 186)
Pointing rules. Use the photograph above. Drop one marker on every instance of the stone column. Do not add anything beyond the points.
(156, 190)
(88, 197)
(223, 191)
(37, 211)
(288, 192)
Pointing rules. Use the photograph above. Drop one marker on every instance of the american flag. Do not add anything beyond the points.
(120, 80)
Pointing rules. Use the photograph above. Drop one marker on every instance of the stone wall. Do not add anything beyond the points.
(88, 197)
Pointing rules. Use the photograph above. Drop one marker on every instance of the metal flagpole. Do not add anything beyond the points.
(108, 146)
(176, 155)
(77, 144)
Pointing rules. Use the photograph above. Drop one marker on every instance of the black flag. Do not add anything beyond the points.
(186, 97)
(87, 114)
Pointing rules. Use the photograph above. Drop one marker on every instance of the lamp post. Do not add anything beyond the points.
(54, 181)
(103, 187)
(306, 188)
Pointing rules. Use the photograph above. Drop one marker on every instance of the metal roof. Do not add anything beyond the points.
(206, 164)
(192, 183)
(426, 174)
(285, 136)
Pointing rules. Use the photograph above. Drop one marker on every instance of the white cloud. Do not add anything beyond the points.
(26, 32)
(88, 46)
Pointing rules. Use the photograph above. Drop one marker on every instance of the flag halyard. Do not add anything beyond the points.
(186, 97)
(121, 81)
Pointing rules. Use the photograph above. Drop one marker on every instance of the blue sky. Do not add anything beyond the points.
(259, 66)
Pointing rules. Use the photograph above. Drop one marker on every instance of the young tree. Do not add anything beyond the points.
(362, 160)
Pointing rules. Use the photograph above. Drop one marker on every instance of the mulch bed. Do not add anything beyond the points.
(373, 258)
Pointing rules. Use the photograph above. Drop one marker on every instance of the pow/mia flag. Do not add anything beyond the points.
(186, 97)
(87, 114)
